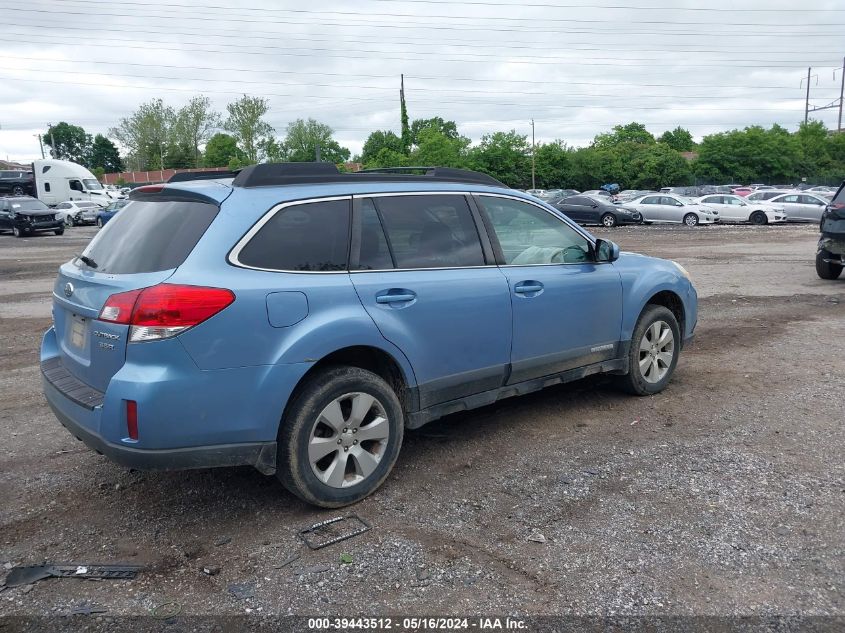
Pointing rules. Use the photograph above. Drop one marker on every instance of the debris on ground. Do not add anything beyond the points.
(287, 561)
(211, 570)
(346, 559)
(223, 540)
(87, 609)
(26, 575)
(166, 610)
(242, 590)
(333, 531)
(536, 537)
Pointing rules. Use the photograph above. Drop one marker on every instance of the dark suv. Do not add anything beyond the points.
(25, 216)
(16, 183)
(831, 250)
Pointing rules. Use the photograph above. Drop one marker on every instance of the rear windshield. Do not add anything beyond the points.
(145, 237)
(839, 198)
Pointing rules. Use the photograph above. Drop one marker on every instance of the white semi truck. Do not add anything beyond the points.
(58, 181)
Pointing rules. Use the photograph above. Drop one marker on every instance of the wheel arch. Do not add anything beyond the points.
(673, 302)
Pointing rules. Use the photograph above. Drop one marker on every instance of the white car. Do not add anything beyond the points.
(767, 194)
(75, 212)
(663, 207)
(801, 206)
(736, 209)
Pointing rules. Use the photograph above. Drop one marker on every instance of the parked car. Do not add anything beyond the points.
(685, 192)
(298, 319)
(585, 209)
(736, 209)
(537, 193)
(768, 194)
(78, 212)
(109, 212)
(830, 253)
(16, 183)
(27, 216)
(560, 194)
(598, 192)
(801, 207)
(631, 194)
(742, 191)
(672, 209)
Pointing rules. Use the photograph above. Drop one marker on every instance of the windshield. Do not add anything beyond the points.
(92, 184)
(29, 205)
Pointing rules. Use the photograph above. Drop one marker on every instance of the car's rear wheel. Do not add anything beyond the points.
(759, 218)
(340, 437)
(654, 351)
(17, 232)
(826, 269)
(608, 220)
(691, 219)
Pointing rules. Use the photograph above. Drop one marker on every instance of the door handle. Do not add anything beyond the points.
(526, 287)
(396, 296)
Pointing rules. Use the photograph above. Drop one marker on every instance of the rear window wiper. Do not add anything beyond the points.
(87, 261)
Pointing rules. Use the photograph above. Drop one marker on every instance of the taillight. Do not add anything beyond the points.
(165, 310)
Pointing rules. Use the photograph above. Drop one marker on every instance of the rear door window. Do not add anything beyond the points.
(430, 231)
(375, 253)
(149, 236)
(307, 237)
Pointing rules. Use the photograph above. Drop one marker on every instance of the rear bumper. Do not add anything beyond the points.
(261, 455)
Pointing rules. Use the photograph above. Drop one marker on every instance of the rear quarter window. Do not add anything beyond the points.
(149, 236)
(307, 237)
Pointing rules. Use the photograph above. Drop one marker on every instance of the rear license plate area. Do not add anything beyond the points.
(77, 332)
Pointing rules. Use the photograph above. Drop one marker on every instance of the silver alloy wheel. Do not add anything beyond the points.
(690, 219)
(608, 220)
(657, 349)
(348, 440)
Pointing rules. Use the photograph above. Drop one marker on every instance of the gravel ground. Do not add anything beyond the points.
(724, 495)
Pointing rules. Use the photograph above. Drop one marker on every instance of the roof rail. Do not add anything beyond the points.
(273, 174)
(186, 176)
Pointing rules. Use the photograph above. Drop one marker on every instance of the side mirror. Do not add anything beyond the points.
(606, 251)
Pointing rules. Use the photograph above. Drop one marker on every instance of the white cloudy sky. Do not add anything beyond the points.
(576, 66)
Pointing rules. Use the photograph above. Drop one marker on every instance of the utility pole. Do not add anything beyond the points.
(533, 182)
(807, 100)
(41, 145)
(52, 141)
(841, 95)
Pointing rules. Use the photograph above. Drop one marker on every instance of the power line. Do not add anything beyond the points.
(423, 25)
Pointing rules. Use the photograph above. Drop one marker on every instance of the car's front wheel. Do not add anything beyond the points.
(100, 222)
(17, 232)
(60, 231)
(608, 220)
(69, 220)
(340, 437)
(826, 269)
(691, 219)
(759, 218)
(654, 351)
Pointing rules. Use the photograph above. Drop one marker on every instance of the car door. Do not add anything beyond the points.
(670, 209)
(432, 288)
(5, 216)
(576, 208)
(649, 207)
(811, 207)
(719, 204)
(567, 309)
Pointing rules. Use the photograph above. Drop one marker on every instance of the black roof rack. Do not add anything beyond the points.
(270, 174)
(186, 176)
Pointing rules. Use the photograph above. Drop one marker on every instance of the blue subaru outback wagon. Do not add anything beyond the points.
(297, 319)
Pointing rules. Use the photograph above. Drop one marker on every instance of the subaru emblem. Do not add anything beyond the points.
(68, 289)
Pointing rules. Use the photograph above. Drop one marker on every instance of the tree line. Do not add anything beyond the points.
(158, 136)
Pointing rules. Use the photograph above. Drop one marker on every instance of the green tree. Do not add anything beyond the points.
(447, 128)
(220, 150)
(388, 157)
(403, 120)
(146, 133)
(553, 165)
(657, 166)
(630, 133)
(377, 141)
(71, 142)
(436, 149)
(195, 123)
(247, 125)
(750, 155)
(104, 155)
(505, 156)
(678, 139)
(304, 137)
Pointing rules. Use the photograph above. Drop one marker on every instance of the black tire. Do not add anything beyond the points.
(759, 218)
(100, 222)
(69, 220)
(824, 269)
(17, 232)
(294, 468)
(608, 220)
(691, 219)
(17, 190)
(59, 231)
(634, 382)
